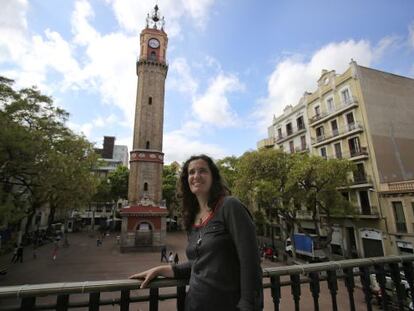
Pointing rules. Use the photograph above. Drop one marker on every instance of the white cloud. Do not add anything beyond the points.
(13, 27)
(179, 147)
(213, 106)
(293, 75)
(128, 12)
(83, 31)
(99, 122)
(181, 78)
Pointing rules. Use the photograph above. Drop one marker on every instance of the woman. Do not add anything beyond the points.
(223, 260)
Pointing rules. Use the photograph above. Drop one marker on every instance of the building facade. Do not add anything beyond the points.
(364, 115)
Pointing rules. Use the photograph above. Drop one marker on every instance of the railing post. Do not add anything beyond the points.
(153, 303)
(333, 287)
(62, 302)
(28, 303)
(350, 285)
(380, 276)
(395, 275)
(315, 289)
(94, 301)
(366, 286)
(181, 298)
(124, 305)
(275, 290)
(295, 289)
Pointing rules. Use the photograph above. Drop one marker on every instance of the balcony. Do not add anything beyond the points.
(357, 154)
(344, 281)
(282, 138)
(323, 116)
(266, 143)
(338, 134)
(302, 149)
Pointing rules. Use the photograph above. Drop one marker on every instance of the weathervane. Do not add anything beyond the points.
(155, 21)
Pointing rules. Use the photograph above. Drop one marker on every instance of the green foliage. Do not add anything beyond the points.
(114, 186)
(169, 186)
(276, 185)
(228, 170)
(41, 160)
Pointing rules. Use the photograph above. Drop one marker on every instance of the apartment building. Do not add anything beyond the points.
(365, 115)
(288, 132)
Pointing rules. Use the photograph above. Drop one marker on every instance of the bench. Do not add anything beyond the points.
(4, 267)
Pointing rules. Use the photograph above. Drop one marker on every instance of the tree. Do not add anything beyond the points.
(320, 182)
(169, 187)
(263, 179)
(118, 181)
(228, 170)
(41, 160)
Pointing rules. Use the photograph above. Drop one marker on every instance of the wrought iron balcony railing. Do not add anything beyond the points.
(349, 273)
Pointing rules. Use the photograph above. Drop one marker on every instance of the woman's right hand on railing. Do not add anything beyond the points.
(152, 273)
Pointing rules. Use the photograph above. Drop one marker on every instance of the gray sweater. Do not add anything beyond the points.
(223, 262)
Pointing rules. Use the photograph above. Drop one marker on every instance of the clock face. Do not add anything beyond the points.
(154, 43)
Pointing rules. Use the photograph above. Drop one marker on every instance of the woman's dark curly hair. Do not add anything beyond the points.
(189, 200)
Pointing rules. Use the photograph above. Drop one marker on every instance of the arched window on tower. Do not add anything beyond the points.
(148, 145)
(145, 186)
(150, 100)
(153, 56)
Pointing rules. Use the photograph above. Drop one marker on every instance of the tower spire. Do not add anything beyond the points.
(155, 20)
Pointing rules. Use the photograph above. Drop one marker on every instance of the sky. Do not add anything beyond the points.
(233, 64)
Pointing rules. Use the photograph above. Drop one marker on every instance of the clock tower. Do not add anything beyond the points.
(143, 221)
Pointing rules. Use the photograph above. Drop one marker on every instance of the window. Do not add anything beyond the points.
(354, 146)
(338, 151)
(289, 128)
(330, 104)
(317, 111)
(319, 133)
(153, 56)
(145, 186)
(150, 100)
(291, 147)
(346, 98)
(147, 145)
(359, 174)
(399, 216)
(350, 121)
(279, 133)
(364, 200)
(334, 126)
(303, 142)
(300, 124)
(323, 152)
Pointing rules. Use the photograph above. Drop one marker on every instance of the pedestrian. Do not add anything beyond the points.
(13, 260)
(164, 254)
(118, 239)
(223, 258)
(176, 260)
(98, 242)
(19, 254)
(170, 257)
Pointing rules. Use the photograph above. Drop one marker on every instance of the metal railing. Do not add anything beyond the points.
(352, 273)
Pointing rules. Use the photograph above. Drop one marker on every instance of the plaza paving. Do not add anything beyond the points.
(84, 261)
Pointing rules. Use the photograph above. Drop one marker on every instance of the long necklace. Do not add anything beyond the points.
(201, 231)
